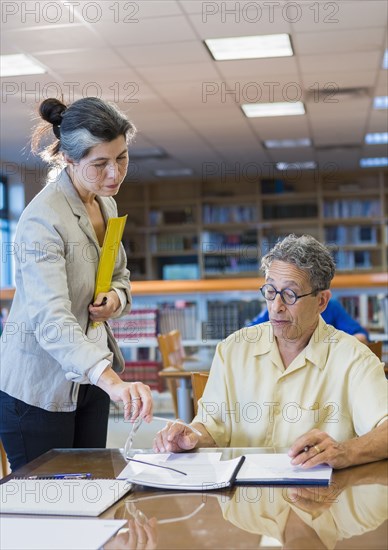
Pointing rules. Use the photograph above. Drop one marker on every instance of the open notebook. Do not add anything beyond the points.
(204, 471)
(81, 497)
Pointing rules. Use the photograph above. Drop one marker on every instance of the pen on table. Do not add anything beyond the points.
(178, 422)
(62, 476)
(156, 465)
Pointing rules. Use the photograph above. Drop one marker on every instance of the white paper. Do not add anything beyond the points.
(56, 534)
(203, 472)
(82, 497)
(278, 467)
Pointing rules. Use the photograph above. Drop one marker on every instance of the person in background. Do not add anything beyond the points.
(291, 381)
(334, 314)
(59, 370)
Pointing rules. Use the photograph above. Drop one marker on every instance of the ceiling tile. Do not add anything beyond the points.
(32, 14)
(53, 38)
(179, 73)
(146, 31)
(87, 61)
(222, 24)
(318, 80)
(259, 69)
(346, 14)
(334, 42)
(348, 62)
(164, 54)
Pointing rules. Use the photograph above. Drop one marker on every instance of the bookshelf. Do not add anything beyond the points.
(220, 229)
(207, 310)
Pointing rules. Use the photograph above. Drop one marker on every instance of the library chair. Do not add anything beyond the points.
(377, 348)
(198, 383)
(173, 358)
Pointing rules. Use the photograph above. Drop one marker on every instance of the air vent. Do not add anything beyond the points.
(333, 92)
(339, 147)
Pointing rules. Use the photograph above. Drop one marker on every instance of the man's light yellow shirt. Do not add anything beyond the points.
(336, 384)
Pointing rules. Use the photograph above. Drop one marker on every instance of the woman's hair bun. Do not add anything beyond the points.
(51, 110)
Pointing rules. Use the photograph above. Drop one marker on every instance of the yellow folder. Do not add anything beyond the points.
(110, 248)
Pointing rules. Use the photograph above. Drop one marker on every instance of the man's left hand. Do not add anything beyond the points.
(317, 447)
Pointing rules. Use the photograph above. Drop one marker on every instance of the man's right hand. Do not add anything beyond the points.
(175, 438)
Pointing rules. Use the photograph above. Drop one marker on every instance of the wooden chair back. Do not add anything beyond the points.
(4, 461)
(198, 383)
(171, 350)
(377, 348)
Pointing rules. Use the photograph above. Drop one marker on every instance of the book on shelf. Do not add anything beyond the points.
(347, 208)
(181, 316)
(146, 371)
(228, 214)
(284, 211)
(205, 471)
(139, 323)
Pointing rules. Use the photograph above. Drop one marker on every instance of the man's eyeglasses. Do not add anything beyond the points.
(288, 296)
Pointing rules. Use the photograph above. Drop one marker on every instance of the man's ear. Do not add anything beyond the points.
(324, 297)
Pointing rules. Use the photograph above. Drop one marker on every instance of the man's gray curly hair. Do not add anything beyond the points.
(306, 253)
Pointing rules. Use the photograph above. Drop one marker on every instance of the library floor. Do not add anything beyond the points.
(118, 429)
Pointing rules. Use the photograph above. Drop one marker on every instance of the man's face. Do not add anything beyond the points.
(297, 321)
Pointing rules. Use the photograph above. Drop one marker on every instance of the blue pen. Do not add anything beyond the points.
(62, 476)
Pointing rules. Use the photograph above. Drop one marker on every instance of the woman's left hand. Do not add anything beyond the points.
(104, 306)
(135, 396)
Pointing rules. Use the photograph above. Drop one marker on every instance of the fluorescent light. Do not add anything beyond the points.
(144, 153)
(385, 60)
(19, 64)
(373, 162)
(376, 138)
(380, 102)
(284, 143)
(173, 172)
(283, 108)
(309, 165)
(250, 47)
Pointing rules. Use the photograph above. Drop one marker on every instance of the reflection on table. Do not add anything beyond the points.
(351, 513)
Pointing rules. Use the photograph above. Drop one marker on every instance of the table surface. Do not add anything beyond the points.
(350, 514)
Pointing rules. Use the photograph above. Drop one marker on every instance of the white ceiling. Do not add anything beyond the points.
(149, 56)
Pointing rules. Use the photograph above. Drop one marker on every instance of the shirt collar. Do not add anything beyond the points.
(315, 352)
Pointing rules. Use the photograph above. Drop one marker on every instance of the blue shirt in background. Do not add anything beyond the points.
(335, 314)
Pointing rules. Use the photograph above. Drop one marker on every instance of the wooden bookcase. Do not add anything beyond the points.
(215, 229)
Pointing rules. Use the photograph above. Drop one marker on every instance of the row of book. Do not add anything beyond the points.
(173, 243)
(284, 211)
(145, 371)
(351, 234)
(182, 318)
(173, 217)
(352, 259)
(214, 242)
(233, 264)
(347, 208)
(223, 318)
(228, 214)
(139, 323)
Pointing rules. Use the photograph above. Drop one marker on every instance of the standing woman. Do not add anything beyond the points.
(56, 378)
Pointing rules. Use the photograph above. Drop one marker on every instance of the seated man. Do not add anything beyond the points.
(335, 314)
(291, 381)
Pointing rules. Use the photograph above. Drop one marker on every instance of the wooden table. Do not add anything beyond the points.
(348, 515)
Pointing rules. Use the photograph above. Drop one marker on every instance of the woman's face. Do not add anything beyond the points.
(103, 170)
